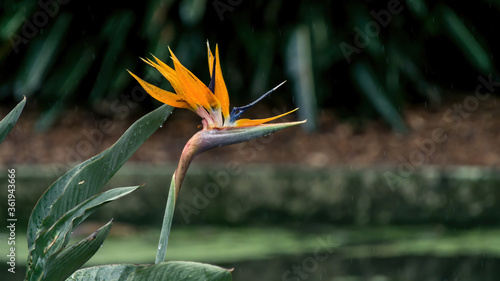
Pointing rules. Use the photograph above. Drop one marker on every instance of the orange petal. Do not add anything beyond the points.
(162, 95)
(171, 76)
(256, 122)
(210, 60)
(193, 87)
(220, 86)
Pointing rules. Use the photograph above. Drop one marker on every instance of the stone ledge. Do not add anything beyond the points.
(286, 194)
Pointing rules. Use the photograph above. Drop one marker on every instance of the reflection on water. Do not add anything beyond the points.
(428, 268)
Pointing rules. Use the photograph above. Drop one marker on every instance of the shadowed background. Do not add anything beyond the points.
(364, 59)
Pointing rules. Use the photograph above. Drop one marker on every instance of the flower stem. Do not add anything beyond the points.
(189, 152)
(167, 223)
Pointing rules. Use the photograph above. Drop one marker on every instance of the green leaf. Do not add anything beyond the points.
(60, 86)
(8, 121)
(52, 241)
(371, 88)
(73, 257)
(87, 178)
(40, 59)
(464, 39)
(167, 223)
(175, 270)
(418, 8)
(181, 271)
(13, 17)
(299, 59)
(115, 29)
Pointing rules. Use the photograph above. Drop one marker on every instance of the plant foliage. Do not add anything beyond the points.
(73, 197)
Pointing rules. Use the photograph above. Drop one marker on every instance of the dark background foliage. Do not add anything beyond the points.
(62, 54)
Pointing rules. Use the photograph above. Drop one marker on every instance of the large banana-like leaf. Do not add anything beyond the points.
(87, 178)
(175, 270)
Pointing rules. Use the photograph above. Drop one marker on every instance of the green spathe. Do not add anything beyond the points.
(216, 137)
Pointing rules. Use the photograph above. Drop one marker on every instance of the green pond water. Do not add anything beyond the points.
(317, 252)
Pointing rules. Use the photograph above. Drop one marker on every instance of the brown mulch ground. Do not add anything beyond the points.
(467, 138)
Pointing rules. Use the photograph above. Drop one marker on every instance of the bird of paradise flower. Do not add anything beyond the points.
(220, 127)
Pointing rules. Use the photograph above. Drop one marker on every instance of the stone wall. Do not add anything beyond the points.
(268, 194)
